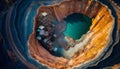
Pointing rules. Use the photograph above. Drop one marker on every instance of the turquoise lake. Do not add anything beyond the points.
(77, 25)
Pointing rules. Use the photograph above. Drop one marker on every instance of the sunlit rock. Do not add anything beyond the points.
(84, 50)
(61, 34)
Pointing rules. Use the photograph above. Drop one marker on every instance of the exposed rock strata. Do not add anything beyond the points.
(117, 9)
(101, 28)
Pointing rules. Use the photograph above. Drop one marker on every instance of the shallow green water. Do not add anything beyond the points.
(77, 25)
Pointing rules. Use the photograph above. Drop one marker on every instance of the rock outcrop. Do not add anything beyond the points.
(101, 29)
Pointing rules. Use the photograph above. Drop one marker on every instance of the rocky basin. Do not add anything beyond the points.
(95, 43)
(32, 32)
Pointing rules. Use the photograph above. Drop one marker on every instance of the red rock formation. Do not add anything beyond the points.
(101, 28)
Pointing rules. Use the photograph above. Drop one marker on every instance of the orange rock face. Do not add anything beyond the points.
(101, 29)
(116, 66)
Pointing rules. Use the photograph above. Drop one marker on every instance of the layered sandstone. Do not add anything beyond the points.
(117, 9)
(102, 26)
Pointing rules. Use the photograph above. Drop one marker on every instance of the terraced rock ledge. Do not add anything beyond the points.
(95, 42)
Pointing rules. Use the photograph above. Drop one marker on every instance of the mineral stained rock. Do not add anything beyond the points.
(93, 45)
(29, 37)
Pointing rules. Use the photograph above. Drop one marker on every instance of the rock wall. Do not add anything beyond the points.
(102, 26)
